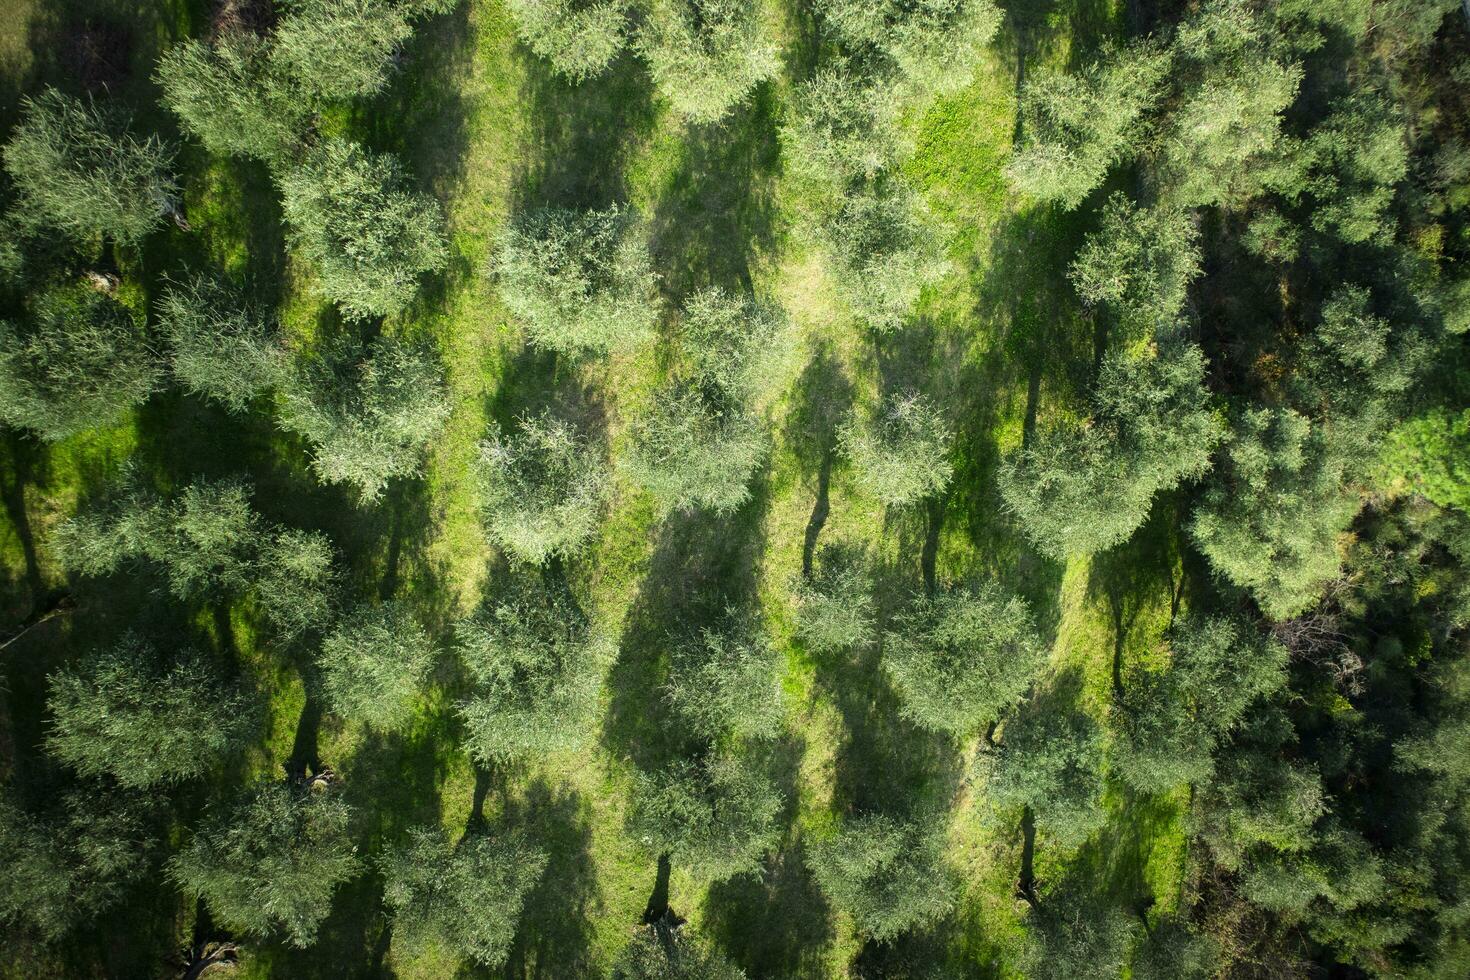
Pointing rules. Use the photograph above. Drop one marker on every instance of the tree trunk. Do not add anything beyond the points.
(819, 515)
(58, 603)
(1026, 884)
(203, 959)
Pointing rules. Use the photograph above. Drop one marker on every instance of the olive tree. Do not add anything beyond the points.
(77, 168)
(578, 281)
(233, 96)
(373, 664)
(1076, 125)
(1050, 760)
(844, 128)
(349, 211)
(706, 55)
(1138, 265)
(1074, 931)
(660, 953)
(715, 817)
(726, 680)
(935, 45)
(221, 346)
(339, 49)
(1173, 949)
(1271, 520)
(694, 447)
(124, 713)
(295, 581)
(884, 252)
(1084, 487)
(538, 666)
(733, 342)
(1352, 165)
(961, 657)
(463, 897)
(888, 874)
(542, 488)
(367, 411)
(579, 37)
(81, 360)
(835, 607)
(70, 862)
(271, 861)
(900, 451)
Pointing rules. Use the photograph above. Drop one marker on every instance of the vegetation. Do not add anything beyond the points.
(714, 818)
(705, 55)
(887, 874)
(373, 664)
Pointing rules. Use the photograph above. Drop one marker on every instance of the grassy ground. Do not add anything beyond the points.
(490, 131)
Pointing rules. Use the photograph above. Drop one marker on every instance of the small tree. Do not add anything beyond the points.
(349, 212)
(373, 664)
(538, 666)
(233, 96)
(125, 714)
(962, 657)
(82, 361)
(716, 817)
(542, 489)
(883, 253)
(659, 953)
(935, 45)
(579, 37)
(339, 49)
(693, 448)
(1080, 488)
(1352, 164)
(1270, 521)
(222, 348)
(1138, 265)
(1074, 932)
(295, 581)
(733, 343)
(368, 412)
(70, 863)
(272, 861)
(1175, 950)
(726, 680)
(835, 608)
(706, 55)
(579, 281)
(888, 874)
(901, 451)
(1076, 126)
(466, 897)
(1049, 759)
(78, 169)
(844, 129)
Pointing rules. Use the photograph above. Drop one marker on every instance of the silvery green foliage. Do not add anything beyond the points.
(714, 818)
(899, 452)
(579, 281)
(1077, 125)
(233, 96)
(834, 607)
(888, 874)
(272, 861)
(1049, 759)
(579, 37)
(655, 954)
(542, 488)
(374, 663)
(339, 49)
(695, 446)
(368, 412)
(884, 252)
(538, 666)
(734, 343)
(77, 168)
(1074, 932)
(222, 348)
(1138, 265)
(81, 361)
(465, 897)
(705, 56)
(351, 213)
(962, 657)
(934, 45)
(725, 680)
(844, 128)
(123, 712)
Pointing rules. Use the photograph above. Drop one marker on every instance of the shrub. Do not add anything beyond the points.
(693, 448)
(579, 281)
(78, 169)
(715, 818)
(834, 608)
(579, 37)
(705, 55)
(900, 453)
(883, 253)
(83, 361)
(889, 875)
(222, 348)
(373, 664)
(348, 211)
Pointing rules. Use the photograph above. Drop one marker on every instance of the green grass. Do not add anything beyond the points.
(489, 131)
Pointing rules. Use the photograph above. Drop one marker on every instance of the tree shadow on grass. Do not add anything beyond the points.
(703, 564)
(823, 399)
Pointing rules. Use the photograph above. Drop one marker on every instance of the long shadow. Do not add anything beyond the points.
(823, 398)
(24, 463)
